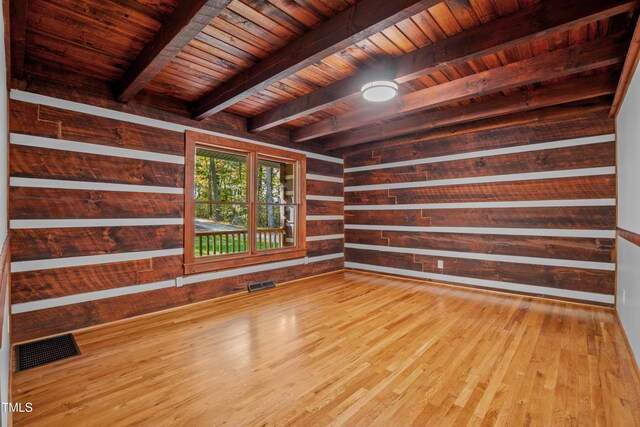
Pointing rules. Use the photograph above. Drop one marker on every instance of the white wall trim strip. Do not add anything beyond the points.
(325, 217)
(487, 205)
(325, 237)
(607, 266)
(84, 185)
(517, 287)
(325, 198)
(608, 170)
(134, 289)
(325, 178)
(88, 148)
(319, 258)
(548, 232)
(48, 264)
(258, 268)
(26, 307)
(493, 152)
(18, 224)
(34, 98)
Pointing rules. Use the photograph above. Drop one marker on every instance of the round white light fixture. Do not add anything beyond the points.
(379, 91)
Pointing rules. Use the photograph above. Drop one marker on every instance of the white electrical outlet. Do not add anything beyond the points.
(179, 282)
(624, 296)
(440, 264)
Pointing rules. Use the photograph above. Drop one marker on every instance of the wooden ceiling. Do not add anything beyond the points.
(298, 64)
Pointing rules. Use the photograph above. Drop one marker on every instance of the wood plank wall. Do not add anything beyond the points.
(96, 210)
(527, 208)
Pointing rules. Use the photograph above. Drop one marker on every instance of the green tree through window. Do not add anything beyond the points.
(244, 203)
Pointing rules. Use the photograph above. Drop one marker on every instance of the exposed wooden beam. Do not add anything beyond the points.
(526, 25)
(356, 23)
(187, 21)
(578, 90)
(18, 30)
(629, 69)
(560, 63)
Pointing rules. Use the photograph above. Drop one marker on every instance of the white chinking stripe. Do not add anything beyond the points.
(34, 98)
(17, 224)
(325, 217)
(607, 266)
(530, 176)
(328, 257)
(48, 264)
(487, 205)
(548, 232)
(85, 147)
(325, 178)
(314, 177)
(517, 287)
(26, 307)
(325, 198)
(493, 152)
(325, 237)
(84, 185)
(258, 268)
(134, 289)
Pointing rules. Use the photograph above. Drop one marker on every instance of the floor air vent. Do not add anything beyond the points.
(45, 351)
(260, 286)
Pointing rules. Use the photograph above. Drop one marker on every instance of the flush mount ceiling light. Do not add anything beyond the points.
(379, 91)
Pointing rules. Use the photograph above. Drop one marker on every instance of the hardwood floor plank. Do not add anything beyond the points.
(346, 348)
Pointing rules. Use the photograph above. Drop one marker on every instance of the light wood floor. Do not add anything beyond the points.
(346, 349)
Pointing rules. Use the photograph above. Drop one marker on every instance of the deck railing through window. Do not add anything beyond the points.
(236, 241)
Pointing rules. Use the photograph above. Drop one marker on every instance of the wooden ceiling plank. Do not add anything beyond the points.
(18, 14)
(186, 22)
(236, 42)
(356, 23)
(560, 63)
(99, 14)
(242, 34)
(547, 96)
(521, 27)
(464, 13)
(264, 20)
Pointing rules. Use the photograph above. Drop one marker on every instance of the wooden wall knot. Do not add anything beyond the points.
(120, 135)
(542, 159)
(480, 163)
(109, 235)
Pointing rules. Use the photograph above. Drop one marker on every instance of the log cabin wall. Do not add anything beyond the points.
(97, 219)
(528, 207)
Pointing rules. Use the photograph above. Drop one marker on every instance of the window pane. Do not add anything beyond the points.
(275, 227)
(275, 182)
(221, 229)
(220, 176)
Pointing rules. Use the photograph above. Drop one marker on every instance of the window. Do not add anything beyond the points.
(244, 204)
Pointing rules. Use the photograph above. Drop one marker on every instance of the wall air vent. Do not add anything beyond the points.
(42, 352)
(260, 286)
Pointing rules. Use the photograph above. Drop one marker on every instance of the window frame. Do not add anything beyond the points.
(193, 264)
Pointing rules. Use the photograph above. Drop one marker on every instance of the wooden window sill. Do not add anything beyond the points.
(226, 262)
